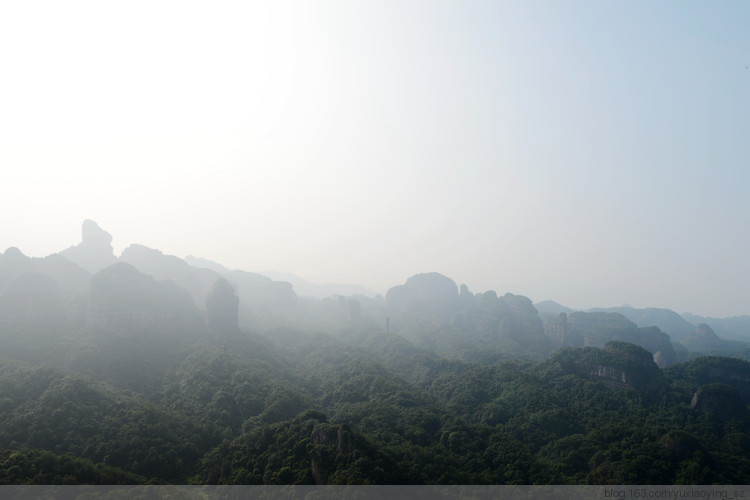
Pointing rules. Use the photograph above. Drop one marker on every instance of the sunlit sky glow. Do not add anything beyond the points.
(593, 153)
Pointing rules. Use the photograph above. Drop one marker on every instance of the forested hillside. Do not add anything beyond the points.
(114, 374)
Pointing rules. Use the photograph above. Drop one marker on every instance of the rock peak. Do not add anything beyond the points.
(95, 250)
(703, 331)
(14, 253)
(92, 234)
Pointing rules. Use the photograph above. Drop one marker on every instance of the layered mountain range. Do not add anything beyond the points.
(146, 367)
(88, 285)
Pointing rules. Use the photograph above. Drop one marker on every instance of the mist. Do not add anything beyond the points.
(389, 243)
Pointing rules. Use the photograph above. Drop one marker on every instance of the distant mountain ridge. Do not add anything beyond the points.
(72, 269)
(301, 286)
(734, 328)
(689, 330)
(305, 288)
(434, 298)
(667, 320)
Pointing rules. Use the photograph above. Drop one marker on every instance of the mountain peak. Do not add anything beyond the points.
(94, 252)
(92, 234)
(705, 332)
(14, 253)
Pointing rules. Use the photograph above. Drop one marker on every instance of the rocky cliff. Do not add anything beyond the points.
(618, 365)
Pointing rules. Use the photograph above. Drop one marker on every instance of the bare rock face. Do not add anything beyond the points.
(222, 305)
(618, 365)
(95, 250)
(723, 401)
(680, 443)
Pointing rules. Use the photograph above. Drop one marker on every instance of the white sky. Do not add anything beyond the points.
(593, 153)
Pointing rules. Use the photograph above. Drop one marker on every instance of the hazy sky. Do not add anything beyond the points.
(593, 153)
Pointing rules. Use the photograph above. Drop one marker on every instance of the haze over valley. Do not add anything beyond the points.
(143, 368)
(71, 269)
(374, 242)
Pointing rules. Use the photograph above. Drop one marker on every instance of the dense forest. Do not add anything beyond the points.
(145, 369)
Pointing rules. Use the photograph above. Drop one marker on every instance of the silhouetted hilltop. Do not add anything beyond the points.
(167, 267)
(667, 320)
(50, 290)
(518, 319)
(705, 341)
(596, 329)
(430, 311)
(676, 326)
(734, 328)
(71, 277)
(200, 262)
(95, 250)
(258, 295)
(703, 338)
(13, 263)
(123, 299)
(551, 307)
(430, 296)
(302, 287)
